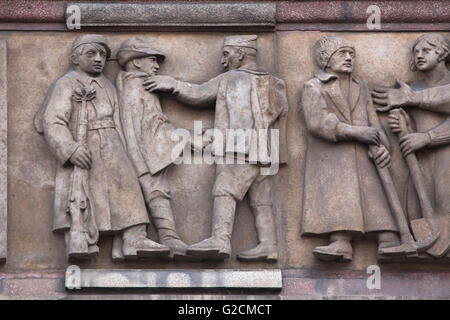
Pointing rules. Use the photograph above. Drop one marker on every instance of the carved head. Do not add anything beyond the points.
(335, 54)
(89, 53)
(428, 51)
(136, 54)
(238, 51)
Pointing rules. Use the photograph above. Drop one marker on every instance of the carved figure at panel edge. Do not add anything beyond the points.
(424, 132)
(245, 97)
(96, 188)
(348, 189)
(148, 134)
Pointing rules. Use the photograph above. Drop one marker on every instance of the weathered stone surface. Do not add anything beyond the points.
(32, 243)
(352, 15)
(190, 15)
(173, 279)
(3, 152)
(381, 58)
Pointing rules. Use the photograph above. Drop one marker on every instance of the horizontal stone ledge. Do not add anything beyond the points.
(77, 278)
(176, 15)
(351, 12)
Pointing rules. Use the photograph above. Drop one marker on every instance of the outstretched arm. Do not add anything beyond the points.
(435, 99)
(195, 95)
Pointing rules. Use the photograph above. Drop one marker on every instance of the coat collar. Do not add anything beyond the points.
(333, 90)
(87, 80)
(253, 68)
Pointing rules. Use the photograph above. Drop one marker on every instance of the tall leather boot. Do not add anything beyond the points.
(339, 248)
(218, 246)
(164, 222)
(266, 250)
(136, 244)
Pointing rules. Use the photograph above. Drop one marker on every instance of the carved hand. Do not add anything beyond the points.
(81, 158)
(367, 135)
(413, 142)
(400, 121)
(389, 98)
(380, 155)
(160, 83)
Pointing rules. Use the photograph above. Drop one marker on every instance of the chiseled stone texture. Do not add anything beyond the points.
(172, 279)
(37, 59)
(380, 58)
(177, 14)
(3, 152)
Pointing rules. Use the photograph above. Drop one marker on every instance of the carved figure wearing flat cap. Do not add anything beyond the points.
(96, 189)
(244, 97)
(343, 196)
(148, 135)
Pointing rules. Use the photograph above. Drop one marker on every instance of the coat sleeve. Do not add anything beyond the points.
(198, 95)
(435, 99)
(440, 135)
(128, 103)
(320, 122)
(57, 114)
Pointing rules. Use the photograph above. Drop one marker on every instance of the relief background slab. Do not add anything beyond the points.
(36, 59)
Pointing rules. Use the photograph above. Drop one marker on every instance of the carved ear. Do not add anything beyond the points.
(136, 63)
(443, 54)
(73, 59)
(241, 54)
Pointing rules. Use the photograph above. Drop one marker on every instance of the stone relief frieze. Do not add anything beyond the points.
(115, 147)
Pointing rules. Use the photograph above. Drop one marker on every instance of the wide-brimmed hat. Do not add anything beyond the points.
(136, 48)
(92, 38)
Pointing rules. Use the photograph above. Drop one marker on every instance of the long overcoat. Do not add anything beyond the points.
(118, 202)
(148, 132)
(342, 190)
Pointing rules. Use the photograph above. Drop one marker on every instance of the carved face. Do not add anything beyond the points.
(149, 65)
(231, 58)
(342, 60)
(92, 59)
(426, 56)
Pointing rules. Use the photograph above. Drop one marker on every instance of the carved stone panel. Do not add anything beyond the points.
(3, 152)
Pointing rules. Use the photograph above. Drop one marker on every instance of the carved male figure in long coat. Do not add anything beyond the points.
(245, 97)
(114, 195)
(343, 197)
(148, 134)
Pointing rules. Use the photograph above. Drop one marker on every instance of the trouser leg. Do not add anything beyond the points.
(218, 246)
(162, 217)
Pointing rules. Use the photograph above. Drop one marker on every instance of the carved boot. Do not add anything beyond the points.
(266, 250)
(339, 249)
(387, 239)
(136, 244)
(164, 222)
(116, 252)
(218, 246)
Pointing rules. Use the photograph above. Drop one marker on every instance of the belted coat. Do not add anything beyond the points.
(117, 199)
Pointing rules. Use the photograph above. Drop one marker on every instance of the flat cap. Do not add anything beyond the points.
(246, 41)
(136, 48)
(92, 38)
